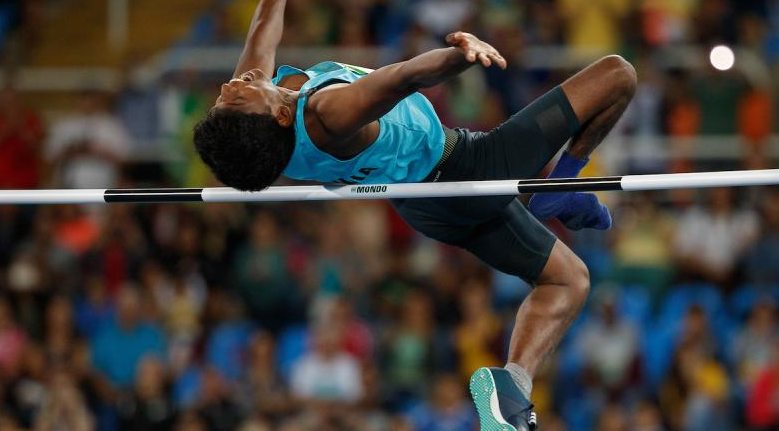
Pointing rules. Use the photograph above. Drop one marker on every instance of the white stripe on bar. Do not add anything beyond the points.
(52, 196)
(378, 191)
(698, 180)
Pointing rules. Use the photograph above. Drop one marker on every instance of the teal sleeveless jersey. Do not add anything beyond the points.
(409, 146)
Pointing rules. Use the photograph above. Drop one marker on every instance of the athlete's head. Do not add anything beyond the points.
(247, 138)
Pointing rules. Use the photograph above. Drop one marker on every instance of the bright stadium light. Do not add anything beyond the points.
(722, 57)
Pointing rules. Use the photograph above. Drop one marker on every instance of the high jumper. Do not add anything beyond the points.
(350, 125)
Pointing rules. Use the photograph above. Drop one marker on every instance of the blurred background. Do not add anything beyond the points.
(338, 317)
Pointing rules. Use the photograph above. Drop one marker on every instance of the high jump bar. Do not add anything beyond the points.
(385, 191)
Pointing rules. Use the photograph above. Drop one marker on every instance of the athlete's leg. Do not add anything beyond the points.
(502, 395)
(598, 95)
(547, 312)
(520, 245)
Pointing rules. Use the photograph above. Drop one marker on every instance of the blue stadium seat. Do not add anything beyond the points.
(657, 351)
(744, 298)
(635, 305)
(579, 413)
(681, 297)
(599, 261)
(741, 302)
(226, 347)
(291, 345)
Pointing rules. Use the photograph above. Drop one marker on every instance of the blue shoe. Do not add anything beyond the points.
(500, 403)
(575, 210)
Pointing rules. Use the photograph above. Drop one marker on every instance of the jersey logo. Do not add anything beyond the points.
(356, 179)
(356, 69)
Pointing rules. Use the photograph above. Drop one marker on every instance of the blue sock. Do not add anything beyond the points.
(568, 166)
(576, 210)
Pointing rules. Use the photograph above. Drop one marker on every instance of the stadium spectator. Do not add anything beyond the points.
(261, 276)
(446, 410)
(225, 346)
(28, 391)
(148, 406)
(647, 417)
(59, 336)
(440, 17)
(643, 241)
(762, 409)
(479, 337)
(120, 346)
(118, 249)
(664, 23)
(13, 341)
(594, 27)
(695, 397)
(75, 230)
(93, 309)
(64, 408)
(753, 345)
(408, 348)
(89, 147)
(608, 346)
(357, 339)
(612, 418)
(184, 303)
(710, 240)
(262, 388)
(327, 374)
(190, 421)
(755, 124)
(681, 113)
(762, 258)
(21, 138)
(215, 404)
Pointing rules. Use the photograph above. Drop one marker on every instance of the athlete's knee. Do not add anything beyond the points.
(572, 274)
(622, 74)
(579, 281)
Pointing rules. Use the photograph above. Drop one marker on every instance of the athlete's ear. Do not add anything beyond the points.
(284, 116)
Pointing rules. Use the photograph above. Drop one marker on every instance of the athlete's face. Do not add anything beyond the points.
(252, 93)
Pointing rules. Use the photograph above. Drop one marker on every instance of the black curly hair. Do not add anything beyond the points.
(244, 151)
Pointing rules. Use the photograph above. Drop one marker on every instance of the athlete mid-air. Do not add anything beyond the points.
(341, 123)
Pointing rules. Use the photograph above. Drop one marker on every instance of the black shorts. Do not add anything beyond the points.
(498, 229)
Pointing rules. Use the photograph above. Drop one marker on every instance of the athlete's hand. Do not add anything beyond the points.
(476, 49)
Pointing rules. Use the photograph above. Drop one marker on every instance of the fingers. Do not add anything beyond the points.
(454, 38)
(487, 59)
(476, 50)
(484, 58)
(498, 59)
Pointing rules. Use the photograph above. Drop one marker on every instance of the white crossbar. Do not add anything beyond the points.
(394, 191)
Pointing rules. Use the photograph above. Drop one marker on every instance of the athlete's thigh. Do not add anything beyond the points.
(526, 142)
(450, 220)
(516, 243)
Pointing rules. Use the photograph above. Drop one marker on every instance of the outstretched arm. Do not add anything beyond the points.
(264, 36)
(343, 111)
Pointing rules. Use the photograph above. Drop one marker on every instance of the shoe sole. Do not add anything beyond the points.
(485, 396)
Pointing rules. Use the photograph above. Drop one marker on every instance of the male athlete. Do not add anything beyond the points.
(339, 123)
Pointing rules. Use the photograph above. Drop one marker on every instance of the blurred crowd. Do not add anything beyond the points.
(338, 317)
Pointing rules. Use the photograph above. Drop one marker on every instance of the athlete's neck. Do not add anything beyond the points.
(289, 98)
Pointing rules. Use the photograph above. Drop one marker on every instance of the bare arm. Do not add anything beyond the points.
(264, 37)
(345, 110)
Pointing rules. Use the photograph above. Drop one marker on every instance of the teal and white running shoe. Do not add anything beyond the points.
(500, 403)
